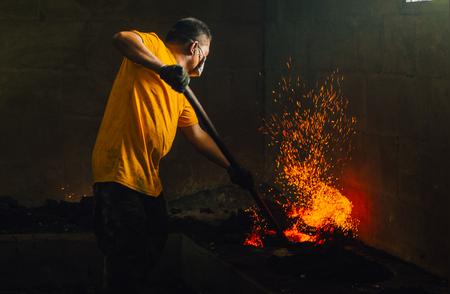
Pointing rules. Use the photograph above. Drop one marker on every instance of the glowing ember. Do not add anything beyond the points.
(71, 196)
(253, 240)
(311, 136)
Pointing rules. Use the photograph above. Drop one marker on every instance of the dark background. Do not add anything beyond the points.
(57, 66)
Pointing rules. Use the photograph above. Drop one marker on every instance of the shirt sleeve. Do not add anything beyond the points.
(188, 117)
(151, 40)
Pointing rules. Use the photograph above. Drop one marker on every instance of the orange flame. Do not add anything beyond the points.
(311, 135)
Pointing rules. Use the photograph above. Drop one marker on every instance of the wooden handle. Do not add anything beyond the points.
(209, 126)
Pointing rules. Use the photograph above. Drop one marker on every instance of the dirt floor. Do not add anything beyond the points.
(175, 287)
(340, 266)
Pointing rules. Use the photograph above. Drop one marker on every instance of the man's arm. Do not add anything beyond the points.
(205, 145)
(132, 47)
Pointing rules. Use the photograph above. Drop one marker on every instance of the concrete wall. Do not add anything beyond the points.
(395, 62)
(57, 66)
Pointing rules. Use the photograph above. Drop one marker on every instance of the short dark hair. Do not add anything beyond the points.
(187, 29)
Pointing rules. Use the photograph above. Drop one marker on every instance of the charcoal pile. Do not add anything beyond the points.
(53, 217)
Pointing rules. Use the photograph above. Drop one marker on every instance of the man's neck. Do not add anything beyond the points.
(179, 56)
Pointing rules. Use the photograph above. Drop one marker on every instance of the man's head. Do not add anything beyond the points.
(192, 38)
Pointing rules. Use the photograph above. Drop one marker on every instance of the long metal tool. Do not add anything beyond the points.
(209, 126)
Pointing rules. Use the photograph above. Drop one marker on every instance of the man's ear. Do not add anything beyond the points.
(192, 47)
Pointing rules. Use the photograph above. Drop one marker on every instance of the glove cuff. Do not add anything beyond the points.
(158, 70)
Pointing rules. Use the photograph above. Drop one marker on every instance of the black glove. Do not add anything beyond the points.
(176, 76)
(241, 177)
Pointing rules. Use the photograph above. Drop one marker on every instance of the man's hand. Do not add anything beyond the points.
(241, 177)
(176, 76)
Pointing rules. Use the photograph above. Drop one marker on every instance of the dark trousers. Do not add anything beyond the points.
(131, 231)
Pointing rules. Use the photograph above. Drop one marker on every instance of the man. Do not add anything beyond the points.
(144, 110)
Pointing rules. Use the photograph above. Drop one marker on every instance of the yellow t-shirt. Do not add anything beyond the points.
(139, 124)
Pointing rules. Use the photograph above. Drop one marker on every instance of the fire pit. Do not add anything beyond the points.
(341, 265)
